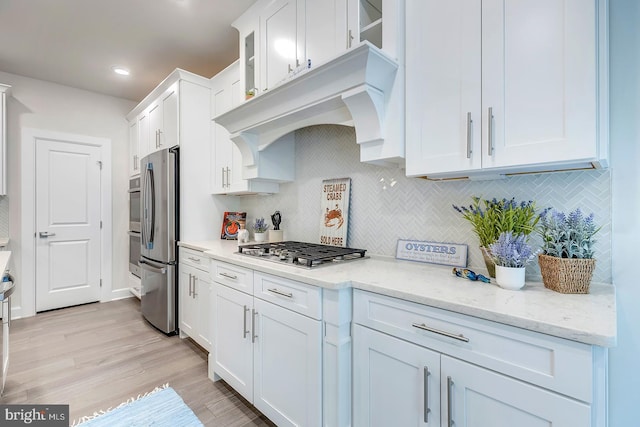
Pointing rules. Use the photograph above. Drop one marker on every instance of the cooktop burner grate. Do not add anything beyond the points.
(300, 253)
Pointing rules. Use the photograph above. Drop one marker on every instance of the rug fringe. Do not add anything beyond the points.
(128, 401)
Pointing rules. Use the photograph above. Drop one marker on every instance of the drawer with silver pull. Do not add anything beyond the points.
(234, 276)
(296, 296)
(550, 362)
(193, 258)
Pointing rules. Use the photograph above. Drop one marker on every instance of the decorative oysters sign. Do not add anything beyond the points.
(335, 211)
(432, 252)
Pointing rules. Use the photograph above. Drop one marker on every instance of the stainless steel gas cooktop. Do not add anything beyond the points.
(301, 254)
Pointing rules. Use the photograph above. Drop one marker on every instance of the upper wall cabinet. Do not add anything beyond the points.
(5, 90)
(498, 87)
(226, 161)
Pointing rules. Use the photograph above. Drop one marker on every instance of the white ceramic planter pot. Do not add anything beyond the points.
(510, 277)
(260, 237)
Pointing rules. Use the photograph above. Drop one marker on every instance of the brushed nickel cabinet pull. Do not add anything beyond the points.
(350, 39)
(490, 132)
(190, 282)
(228, 276)
(195, 294)
(194, 259)
(253, 325)
(449, 385)
(426, 394)
(440, 332)
(223, 185)
(469, 123)
(284, 294)
(244, 326)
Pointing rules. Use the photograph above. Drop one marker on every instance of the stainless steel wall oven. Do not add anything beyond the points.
(134, 226)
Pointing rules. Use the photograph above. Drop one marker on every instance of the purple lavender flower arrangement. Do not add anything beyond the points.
(568, 236)
(512, 250)
(260, 226)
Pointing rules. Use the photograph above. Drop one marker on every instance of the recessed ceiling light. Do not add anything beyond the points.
(121, 71)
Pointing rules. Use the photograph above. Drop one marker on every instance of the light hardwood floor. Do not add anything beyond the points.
(96, 356)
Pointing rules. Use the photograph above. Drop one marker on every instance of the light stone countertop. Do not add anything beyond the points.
(589, 318)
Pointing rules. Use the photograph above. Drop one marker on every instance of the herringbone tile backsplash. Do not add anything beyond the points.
(386, 205)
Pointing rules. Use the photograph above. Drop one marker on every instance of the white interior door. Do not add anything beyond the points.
(67, 234)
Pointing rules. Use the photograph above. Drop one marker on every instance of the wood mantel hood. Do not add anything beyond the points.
(352, 89)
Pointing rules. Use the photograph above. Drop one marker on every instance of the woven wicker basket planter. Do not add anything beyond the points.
(568, 276)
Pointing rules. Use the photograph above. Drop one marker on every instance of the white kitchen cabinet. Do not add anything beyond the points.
(195, 295)
(5, 90)
(269, 352)
(395, 382)
(380, 22)
(226, 173)
(163, 120)
(178, 112)
(279, 38)
(134, 148)
(478, 373)
(498, 87)
(477, 397)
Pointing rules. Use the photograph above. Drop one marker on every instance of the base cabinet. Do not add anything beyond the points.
(394, 382)
(195, 294)
(419, 366)
(268, 352)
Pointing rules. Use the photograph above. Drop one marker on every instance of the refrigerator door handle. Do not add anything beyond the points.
(149, 206)
(146, 265)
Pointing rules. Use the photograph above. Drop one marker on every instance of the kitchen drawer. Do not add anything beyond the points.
(554, 363)
(233, 276)
(296, 296)
(193, 258)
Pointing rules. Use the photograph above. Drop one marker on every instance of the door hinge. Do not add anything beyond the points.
(99, 162)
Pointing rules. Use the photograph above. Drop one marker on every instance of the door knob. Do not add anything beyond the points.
(44, 234)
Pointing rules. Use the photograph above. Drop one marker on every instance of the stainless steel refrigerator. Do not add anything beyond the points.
(159, 236)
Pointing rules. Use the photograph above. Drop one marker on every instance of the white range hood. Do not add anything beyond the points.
(352, 89)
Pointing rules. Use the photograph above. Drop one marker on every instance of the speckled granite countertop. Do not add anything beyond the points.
(589, 319)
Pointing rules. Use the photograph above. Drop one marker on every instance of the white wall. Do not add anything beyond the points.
(43, 105)
(624, 384)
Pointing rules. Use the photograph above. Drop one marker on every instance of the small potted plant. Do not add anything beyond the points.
(511, 253)
(260, 228)
(490, 218)
(567, 262)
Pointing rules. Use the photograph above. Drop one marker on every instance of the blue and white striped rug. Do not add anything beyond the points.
(159, 408)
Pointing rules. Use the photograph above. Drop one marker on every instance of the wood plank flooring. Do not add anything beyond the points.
(96, 356)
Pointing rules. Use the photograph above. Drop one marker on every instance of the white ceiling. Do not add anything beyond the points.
(77, 42)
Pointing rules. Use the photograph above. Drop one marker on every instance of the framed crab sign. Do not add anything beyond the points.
(335, 211)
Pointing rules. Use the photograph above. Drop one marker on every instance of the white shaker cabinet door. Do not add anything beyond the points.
(539, 81)
(204, 290)
(395, 383)
(233, 335)
(281, 36)
(287, 366)
(443, 86)
(187, 311)
(476, 397)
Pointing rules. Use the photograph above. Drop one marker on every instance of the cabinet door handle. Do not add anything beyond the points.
(244, 326)
(223, 185)
(194, 259)
(440, 332)
(228, 180)
(228, 276)
(195, 294)
(190, 281)
(279, 292)
(449, 385)
(469, 123)
(490, 131)
(290, 70)
(159, 138)
(349, 39)
(426, 394)
(253, 325)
